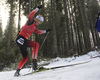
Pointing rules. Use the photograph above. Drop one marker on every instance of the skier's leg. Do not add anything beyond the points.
(23, 61)
(25, 57)
(35, 46)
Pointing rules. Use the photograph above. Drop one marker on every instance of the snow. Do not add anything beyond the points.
(87, 71)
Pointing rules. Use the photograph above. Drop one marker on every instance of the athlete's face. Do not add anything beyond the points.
(38, 22)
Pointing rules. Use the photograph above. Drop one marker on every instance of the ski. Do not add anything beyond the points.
(96, 56)
(45, 69)
(69, 65)
(35, 72)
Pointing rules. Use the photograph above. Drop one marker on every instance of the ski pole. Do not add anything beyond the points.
(41, 46)
(43, 41)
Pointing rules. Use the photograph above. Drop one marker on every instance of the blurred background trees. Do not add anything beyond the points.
(72, 22)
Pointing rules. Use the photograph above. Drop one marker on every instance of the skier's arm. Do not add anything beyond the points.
(40, 31)
(34, 12)
(98, 25)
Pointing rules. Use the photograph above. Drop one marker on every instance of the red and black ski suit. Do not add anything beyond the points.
(23, 42)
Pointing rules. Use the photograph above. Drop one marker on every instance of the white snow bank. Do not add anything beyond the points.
(88, 71)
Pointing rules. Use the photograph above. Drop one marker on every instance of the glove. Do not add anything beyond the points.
(40, 6)
(48, 30)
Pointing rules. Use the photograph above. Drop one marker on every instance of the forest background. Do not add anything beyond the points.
(73, 29)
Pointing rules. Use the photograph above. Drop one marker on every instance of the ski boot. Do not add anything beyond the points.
(42, 69)
(17, 72)
(35, 65)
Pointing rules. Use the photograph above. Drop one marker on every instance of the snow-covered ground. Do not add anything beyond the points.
(87, 71)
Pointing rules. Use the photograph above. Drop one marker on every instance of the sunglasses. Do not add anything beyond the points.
(40, 21)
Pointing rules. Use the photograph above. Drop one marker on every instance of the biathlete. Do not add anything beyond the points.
(23, 42)
(97, 25)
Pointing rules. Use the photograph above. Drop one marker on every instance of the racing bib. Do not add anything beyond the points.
(20, 41)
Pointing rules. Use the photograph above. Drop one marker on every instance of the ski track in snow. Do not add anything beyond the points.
(87, 71)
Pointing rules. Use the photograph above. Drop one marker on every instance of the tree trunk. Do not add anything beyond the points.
(19, 18)
(66, 28)
(54, 42)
